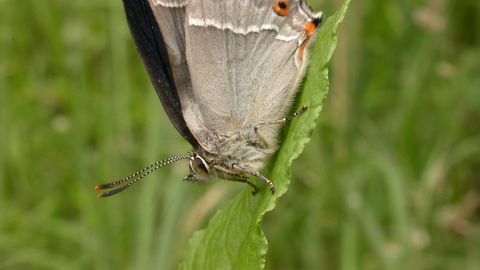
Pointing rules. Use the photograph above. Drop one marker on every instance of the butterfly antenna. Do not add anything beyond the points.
(155, 166)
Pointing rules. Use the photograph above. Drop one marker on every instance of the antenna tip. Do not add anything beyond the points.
(100, 196)
(98, 187)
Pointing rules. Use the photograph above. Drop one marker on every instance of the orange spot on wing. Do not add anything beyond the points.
(282, 8)
(308, 28)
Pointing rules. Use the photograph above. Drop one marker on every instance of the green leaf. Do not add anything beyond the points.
(233, 238)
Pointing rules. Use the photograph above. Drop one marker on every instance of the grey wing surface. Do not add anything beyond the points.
(152, 45)
(243, 64)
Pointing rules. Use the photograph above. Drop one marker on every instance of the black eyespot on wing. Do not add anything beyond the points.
(317, 21)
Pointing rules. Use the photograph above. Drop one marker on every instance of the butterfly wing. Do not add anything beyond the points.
(151, 42)
(245, 60)
(233, 64)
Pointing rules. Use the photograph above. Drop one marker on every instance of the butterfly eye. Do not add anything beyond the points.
(281, 7)
(198, 166)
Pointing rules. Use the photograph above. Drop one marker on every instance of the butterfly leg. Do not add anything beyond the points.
(237, 178)
(257, 174)
(280, 121)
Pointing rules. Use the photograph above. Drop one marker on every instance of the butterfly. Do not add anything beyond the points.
(226, 73)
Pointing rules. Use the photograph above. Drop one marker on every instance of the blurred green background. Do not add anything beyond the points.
(390, 179)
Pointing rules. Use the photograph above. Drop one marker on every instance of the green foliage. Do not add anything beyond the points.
(389, 179)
